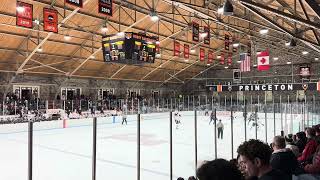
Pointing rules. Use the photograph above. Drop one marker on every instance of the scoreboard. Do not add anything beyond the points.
(129, 48)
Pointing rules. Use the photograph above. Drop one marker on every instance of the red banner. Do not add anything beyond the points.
(226, 42)
(176, 48)
(106, 7)
(201, 54)
(195, 31)
(24, 14)
(77, 3)
(50, 20)
(230, 59)
(186, 51)
(206, 39)
(222, 59)
(210, 57)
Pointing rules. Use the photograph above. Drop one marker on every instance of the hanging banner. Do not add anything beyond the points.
(206, 39)
(106, 7)
(249, 50)
(222, 59)
(78, 3)
(195, 31)
(210, 57)
(24, 14)
(186, 51)
(202, 54)
(50, 20)
(226, 42)
(267, 87)
(176, 48)
(230, 59)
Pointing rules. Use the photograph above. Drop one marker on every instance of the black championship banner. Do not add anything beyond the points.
(266, 87)
(78, 3)
(24, 14)
(50, 20)
(226, 42)
(106, 7)
(186, 51)
(195, 31)
(206, 39)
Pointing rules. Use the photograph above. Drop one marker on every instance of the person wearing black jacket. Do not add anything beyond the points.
(301, 141)
(283, 159)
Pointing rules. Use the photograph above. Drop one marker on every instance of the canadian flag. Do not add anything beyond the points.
(263, 61)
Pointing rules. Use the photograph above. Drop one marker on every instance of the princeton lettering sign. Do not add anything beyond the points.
(264, 87)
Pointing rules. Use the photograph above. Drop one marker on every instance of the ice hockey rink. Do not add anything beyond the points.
(66, 153)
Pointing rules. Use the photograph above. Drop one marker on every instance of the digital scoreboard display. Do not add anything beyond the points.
(131, 48)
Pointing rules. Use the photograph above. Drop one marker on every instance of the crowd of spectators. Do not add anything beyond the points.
(293, 157)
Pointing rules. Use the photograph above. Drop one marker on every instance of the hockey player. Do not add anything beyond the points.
(212, 117)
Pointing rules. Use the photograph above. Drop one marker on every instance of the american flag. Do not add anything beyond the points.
(245, 62)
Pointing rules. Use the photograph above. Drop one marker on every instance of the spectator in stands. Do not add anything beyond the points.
(317, 138)
(314, 167)
(310, 147)
(301, 141)
(255, 155)
(180, 178)
(282, 158)
(242, 169)
(217, 170)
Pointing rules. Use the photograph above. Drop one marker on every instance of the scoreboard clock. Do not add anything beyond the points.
(130, 48)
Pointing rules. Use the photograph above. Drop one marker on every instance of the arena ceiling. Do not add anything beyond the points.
(81, 56)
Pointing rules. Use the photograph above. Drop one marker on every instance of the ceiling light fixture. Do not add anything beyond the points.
(305, 52)
(263, 31)
(227, 8)
(120, 34)
(92, 57)
(154, 17)
(67, 37)
(289, 62)
(316, 59)
(275, 58)
(192, 51)
(104, 29)
(40, 49)
(226, 67)
(235, 45)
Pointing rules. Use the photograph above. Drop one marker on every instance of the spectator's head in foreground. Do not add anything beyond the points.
(218, 169)
(255, 155)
